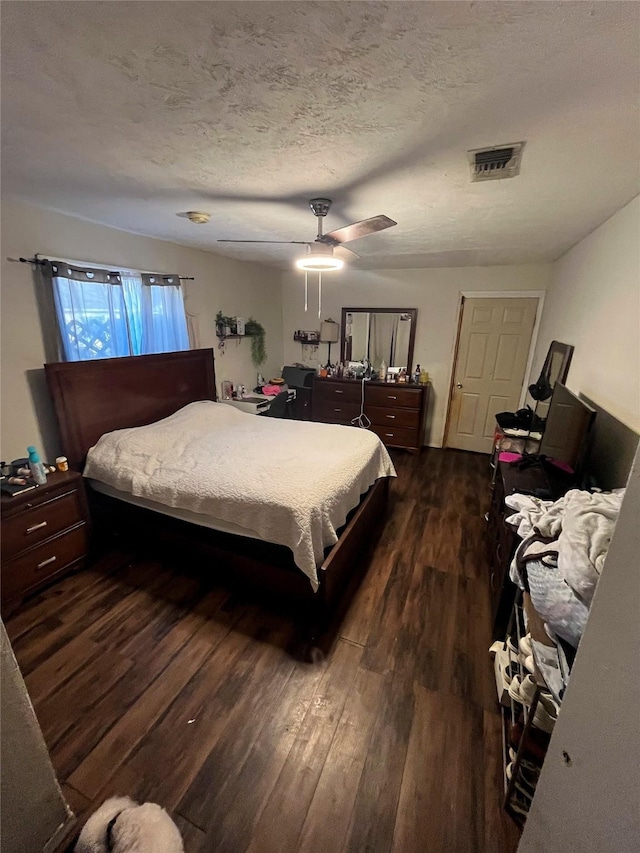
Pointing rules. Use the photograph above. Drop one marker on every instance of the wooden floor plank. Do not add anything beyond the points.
(54, 671)
(446, 734)
(197, 639)
(280, 824)
(374, 816)
(236, 809)
(327, 820)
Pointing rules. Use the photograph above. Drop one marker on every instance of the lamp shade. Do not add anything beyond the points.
(329, 332)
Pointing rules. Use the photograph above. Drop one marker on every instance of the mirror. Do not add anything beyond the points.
(554, 369)
(379, 334)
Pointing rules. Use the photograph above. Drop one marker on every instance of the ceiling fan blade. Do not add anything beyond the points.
(344, 254)
(297, 242)
(360, 229)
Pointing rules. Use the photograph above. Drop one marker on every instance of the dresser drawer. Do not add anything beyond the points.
(335, 412)
(393, 395)
(38, 522)
(390, 417)
(336, 392)
(39, 564)
(397, 436)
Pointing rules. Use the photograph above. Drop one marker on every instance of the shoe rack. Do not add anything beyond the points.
(524, 742)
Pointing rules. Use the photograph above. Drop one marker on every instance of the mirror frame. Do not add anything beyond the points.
(412, 334)
(566, 351)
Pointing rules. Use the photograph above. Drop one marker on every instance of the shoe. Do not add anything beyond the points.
(530, 766)
(546, 713)
(524, 646)
(527, 689)
(523, 689)
(520, 804)
(514, 689)
(512, 646)
(526, 787)
(512, 671)
(528, 663)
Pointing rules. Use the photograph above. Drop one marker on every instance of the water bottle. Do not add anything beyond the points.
(416, 375)
(37, 468)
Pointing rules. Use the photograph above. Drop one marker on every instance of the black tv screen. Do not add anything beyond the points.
(566, 429)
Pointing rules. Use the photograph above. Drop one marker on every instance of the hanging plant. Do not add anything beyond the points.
(257, 333)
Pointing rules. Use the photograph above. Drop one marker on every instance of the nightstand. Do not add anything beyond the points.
(45, 533)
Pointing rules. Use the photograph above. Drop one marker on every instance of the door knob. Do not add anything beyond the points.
(458, 384)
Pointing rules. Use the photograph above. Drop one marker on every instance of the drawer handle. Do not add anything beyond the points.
(493, 588)
(337, 410)
(46, 562)
(35, 527)
(391, 397)
(391, 417)
(389, 435)
(338, 392)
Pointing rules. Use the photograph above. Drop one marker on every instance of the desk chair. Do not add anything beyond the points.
(278, 407)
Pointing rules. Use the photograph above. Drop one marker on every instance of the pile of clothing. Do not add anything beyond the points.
(562, 553)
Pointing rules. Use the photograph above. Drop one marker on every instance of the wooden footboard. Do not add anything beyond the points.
(250, 564)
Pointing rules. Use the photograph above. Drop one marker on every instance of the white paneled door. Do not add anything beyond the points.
(493, 348)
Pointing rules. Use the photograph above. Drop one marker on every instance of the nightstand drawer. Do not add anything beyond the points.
(39, 564)
(37, 523)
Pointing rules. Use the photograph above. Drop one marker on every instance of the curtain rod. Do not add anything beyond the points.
(40, 262)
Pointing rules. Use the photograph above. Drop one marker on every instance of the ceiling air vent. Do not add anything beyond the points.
(496, 163)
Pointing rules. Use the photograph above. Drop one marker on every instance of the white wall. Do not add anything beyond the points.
(29, 332)
(32, 807)
(593, 302)
(434, 292)
(592, 804)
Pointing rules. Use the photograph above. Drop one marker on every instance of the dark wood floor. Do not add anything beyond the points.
(150, 683)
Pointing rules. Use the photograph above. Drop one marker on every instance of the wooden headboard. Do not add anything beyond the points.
(94, 397)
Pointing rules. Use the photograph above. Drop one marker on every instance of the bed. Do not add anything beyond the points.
(170, 394)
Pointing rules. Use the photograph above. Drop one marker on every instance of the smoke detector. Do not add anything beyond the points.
(197, 217)
(495, 163)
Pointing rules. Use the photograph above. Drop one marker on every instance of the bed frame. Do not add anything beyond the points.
(95, 397)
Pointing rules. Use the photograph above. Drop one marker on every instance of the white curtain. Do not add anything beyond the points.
(382, 339)
(164, 323)
(103, 314)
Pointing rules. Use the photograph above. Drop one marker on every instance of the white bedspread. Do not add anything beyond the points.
(294, 482)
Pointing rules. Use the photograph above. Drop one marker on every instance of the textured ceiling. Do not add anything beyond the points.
(128, 113)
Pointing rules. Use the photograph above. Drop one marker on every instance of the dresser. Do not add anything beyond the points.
(44, 534)
(397, 411)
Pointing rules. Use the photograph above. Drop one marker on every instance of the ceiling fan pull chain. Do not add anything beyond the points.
(306, 291)
(319, 294)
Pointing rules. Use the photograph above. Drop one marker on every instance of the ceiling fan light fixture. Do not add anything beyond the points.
(319, 263)
(319, 258)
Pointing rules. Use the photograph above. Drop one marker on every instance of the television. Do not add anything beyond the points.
(567, 429)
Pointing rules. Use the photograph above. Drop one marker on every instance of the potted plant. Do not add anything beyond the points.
(224, 325)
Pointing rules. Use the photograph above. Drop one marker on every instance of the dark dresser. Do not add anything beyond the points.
(397, 411)
(44, 534)
(502, 538)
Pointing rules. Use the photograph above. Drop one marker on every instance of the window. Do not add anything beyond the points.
(103, 314)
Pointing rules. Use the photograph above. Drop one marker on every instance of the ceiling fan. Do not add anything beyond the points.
(327, 251)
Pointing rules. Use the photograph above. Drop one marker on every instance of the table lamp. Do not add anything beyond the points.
(329, 330)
